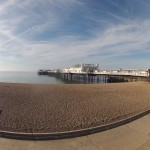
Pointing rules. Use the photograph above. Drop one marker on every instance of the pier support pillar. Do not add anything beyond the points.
(71, 76)
(149, 72)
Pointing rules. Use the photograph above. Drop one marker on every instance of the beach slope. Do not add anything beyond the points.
(31, 108)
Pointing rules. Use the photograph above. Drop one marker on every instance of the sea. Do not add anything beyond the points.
(28, 77)
(34, 78)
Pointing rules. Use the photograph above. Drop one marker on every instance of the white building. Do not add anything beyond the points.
(83, 68)
(132, 72)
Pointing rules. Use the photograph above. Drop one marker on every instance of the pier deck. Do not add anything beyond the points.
(98, 77)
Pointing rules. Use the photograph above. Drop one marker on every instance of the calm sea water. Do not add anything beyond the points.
(33, 77)
(28, 77)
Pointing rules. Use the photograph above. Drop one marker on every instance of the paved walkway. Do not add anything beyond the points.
(132, 136)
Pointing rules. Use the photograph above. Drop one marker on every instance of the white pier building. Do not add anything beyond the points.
(82, 68)
(94, 68)
(132, 72)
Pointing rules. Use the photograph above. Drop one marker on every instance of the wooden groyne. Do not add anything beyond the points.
(94, 77)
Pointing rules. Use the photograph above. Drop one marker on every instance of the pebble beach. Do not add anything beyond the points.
(31, 108)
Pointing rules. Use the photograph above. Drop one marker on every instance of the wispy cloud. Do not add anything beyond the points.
(56, 33)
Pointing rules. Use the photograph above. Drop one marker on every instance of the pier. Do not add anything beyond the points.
(95, 77)
(90, 73)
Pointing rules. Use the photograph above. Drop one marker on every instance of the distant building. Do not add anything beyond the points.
(82, 68)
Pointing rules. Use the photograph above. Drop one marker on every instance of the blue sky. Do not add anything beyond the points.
(59, 33)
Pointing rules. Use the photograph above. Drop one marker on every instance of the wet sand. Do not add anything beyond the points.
(57, 108)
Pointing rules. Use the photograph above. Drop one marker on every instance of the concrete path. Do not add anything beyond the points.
(132, 136)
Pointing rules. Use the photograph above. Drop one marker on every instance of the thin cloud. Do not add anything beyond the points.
(58, 33)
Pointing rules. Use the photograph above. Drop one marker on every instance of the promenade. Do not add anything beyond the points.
(132, 136)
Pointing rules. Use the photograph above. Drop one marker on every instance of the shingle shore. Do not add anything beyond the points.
(58, 108)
